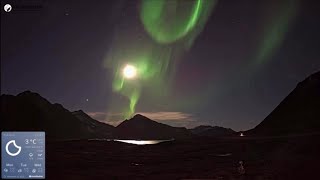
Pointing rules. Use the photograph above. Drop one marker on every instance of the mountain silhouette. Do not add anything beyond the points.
(141, 127)
(212, 131)
(28, 111)
(298, 113)
(100, 129)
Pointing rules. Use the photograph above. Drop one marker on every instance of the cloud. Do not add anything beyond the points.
(97, 115)
(167, 116)
(109, 118)
(178, 119)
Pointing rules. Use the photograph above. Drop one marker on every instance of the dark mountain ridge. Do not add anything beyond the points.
(102, 130)
(298, 113)
(212, 131)
(141, 127)
(29, 111)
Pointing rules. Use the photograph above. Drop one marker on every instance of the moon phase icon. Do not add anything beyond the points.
(15, 145)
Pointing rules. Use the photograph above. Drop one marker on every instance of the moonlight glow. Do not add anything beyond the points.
(129, 71)
(170, 27)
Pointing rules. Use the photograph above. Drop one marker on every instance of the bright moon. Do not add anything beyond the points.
(129, 71)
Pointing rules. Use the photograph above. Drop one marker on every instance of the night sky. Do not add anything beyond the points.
(247, 57)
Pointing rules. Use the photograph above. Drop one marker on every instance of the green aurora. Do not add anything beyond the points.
(170, 27)
(169, 30)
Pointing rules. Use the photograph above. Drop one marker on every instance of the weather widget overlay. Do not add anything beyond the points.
(23, 155)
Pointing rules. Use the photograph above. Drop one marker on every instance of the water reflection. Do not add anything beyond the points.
(142, 142)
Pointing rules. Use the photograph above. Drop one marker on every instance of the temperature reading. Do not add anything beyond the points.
(31, 141)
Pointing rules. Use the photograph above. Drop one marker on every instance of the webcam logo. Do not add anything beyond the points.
(7, 8)
(15, 145)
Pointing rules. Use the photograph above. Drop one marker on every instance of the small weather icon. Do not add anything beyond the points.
(7, 8)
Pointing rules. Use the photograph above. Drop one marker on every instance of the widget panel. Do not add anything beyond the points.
(23, 155)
